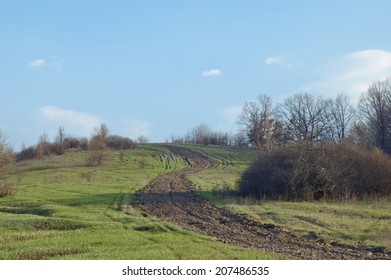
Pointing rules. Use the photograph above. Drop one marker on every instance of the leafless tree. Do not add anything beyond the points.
(306, 118)
(7, 160)
(6, 157)
(102, 131)
(42, 148)
(98, 145)
(375, 109)
(142, 139)
(60, 135)
(256, 120)
(342, 114)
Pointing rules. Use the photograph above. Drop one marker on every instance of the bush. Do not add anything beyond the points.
(7, 189)
(116, 142)
(335, 171)
(7, 160)
(26, 153)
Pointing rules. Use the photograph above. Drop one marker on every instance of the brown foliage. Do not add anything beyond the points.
(335, 171)
(7, 160)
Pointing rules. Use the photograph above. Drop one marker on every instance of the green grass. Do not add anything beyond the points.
(66, 210)
(365, 223)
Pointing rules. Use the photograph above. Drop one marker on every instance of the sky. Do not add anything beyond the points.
(160, 68)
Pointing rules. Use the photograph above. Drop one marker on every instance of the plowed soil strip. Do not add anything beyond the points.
(171, 197)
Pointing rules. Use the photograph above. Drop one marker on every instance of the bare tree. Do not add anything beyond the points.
(42, 148)
(256, 120)
(98, 145)
(375, 109)
(342, 114)
(306, 118)
(102, 131)
(201, 134)
(6, 157)
(142, 139)
(60, 135)
(7, 160)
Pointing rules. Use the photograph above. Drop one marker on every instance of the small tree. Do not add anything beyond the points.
(7, 160)
(256, 120)
(41, 149)
(98, 145)
(142, 139)
(342, 114)
(375, 111)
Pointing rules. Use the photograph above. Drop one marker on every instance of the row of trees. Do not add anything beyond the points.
(203, 134)
(312, 148)
(313, 119)
(100, 141)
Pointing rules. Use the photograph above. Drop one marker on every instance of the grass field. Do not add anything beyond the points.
(364, 223)
(65, 209)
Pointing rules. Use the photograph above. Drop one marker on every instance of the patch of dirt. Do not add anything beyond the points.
(171, 197)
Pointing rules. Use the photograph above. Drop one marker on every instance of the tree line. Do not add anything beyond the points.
(204, 135)
(313, 148)
(100, 140)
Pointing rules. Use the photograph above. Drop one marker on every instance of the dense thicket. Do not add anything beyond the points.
(335, 171)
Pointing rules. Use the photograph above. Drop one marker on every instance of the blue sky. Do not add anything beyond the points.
(159, 68)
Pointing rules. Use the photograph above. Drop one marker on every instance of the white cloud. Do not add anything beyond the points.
(231, 114)
(274, 60)
(352, 73)
(37, 63)
(74, 122)
(135, 128)
(211, 72)
(55, 63)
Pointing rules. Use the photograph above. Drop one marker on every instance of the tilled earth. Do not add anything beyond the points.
(171, 197)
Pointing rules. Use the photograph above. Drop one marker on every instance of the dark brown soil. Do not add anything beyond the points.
(171, 197)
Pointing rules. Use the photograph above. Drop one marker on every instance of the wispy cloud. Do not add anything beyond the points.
(136, 127)
(211, 72)
(274, 60)
(353, 73)
(76, 122)
(55, 63)
(37, 63)
(231, 114)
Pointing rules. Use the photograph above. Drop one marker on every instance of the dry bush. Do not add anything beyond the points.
(7, 160)
(7, 189)
(335, 171)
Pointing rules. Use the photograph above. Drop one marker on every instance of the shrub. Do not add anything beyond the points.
(6, 189)
(7, 160)
(26, 153)
(335, 171)
(116, 142)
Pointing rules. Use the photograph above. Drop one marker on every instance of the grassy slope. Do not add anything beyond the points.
(67, 210)
(366, 223)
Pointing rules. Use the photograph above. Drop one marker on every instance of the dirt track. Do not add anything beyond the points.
(171, 197)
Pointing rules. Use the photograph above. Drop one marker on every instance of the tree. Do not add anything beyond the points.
(342, 114)
(42, 146)
(142, 139)
(375, 109)
(256, 120)
(60, 135)
(306, 118)
(7, 160)
(98, 145)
